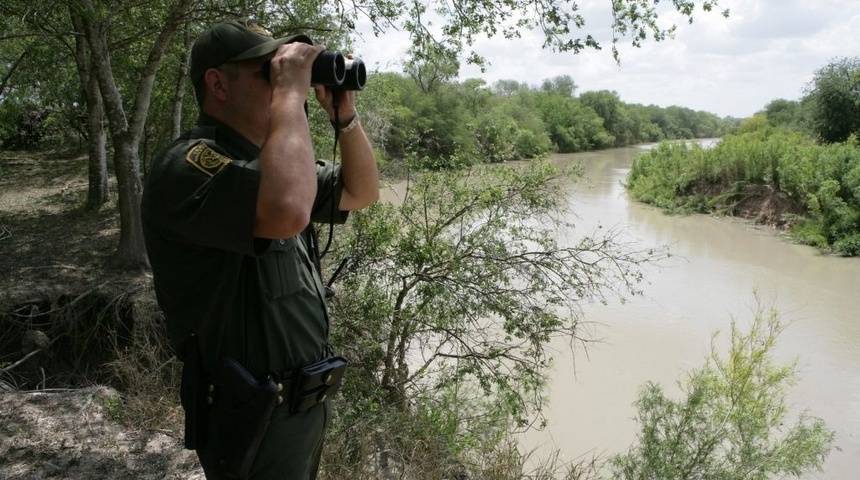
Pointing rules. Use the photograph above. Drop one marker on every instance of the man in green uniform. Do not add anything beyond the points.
(226, 210)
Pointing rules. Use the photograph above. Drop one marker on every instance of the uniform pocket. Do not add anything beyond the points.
(281, 268)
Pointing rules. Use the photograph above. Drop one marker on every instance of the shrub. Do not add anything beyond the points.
(732, 421)
(28, 128)
(821, 181)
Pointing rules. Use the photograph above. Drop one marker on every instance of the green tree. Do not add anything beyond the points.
(832, 100)
(35, 72)
(431, 66)
(126, 125)
(505, 127)
(459, 289)
(642, 124)
(572, 126)
(496, 138)
(507, 88)
(733, 420)
(532, 137)
(441, 125)
(783, 113)
(477, 96)
(609, 106)
(562, 85)
(389, 98)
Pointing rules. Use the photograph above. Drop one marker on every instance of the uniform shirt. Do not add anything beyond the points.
(257, 300)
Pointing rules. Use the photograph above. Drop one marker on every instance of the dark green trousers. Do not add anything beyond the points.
(290, 450)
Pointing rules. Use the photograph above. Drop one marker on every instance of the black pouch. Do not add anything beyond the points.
(241, 411)
(318, 382)
(192, 395)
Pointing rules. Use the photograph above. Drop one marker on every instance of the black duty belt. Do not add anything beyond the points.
(310, 386)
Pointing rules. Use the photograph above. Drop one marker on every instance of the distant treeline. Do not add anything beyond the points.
(446, 122)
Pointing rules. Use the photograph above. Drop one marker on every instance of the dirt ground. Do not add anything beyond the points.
(69, 434)
(52, 248)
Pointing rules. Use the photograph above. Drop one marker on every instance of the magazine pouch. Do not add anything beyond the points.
(318, 382)
(241, 409)
(192, 395)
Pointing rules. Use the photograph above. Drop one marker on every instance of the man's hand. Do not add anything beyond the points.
(346, 107)
(291, 65)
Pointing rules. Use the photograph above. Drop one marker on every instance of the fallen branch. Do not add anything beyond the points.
(57, 337)
(25, 357)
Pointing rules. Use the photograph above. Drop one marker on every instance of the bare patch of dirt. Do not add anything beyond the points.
(72, 435)
(48, 240)
(765, 206)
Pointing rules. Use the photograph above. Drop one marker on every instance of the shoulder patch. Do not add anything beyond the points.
(208, 161)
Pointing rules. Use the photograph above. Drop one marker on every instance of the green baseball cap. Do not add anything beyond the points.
(232, 41)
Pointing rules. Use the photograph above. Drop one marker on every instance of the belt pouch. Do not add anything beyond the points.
(241, 412)
(318, 382)
(192, 395)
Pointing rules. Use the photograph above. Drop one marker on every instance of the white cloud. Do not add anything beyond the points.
(766, 49)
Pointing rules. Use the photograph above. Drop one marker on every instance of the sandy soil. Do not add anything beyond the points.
(69, 434)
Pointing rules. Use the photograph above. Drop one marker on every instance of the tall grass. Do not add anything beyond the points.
(822, 182)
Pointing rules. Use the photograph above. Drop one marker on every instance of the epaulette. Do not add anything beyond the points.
(205, 159)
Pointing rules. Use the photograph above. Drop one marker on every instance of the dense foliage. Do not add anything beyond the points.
(800, 161)
(472, 122)
(814, 190)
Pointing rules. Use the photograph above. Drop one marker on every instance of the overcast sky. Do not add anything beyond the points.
(766, 49)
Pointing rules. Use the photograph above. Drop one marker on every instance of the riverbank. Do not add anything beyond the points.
(777, 177)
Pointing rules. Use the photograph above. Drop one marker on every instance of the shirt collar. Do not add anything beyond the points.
(227, 138)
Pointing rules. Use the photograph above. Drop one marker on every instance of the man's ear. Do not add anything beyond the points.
(214, 79)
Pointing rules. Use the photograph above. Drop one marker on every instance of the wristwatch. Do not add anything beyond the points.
(353, 122)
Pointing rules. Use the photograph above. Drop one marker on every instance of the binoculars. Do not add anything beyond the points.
(332, 70)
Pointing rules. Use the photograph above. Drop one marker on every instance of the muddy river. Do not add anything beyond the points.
(718, 269)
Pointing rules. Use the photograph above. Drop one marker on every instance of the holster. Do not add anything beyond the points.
(317, 382)
(240, 406)
(241, 409)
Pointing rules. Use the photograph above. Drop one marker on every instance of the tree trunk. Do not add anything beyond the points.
(11, 70)
(125, 133)
(98, 190)
(179, 92)
(131, 252)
